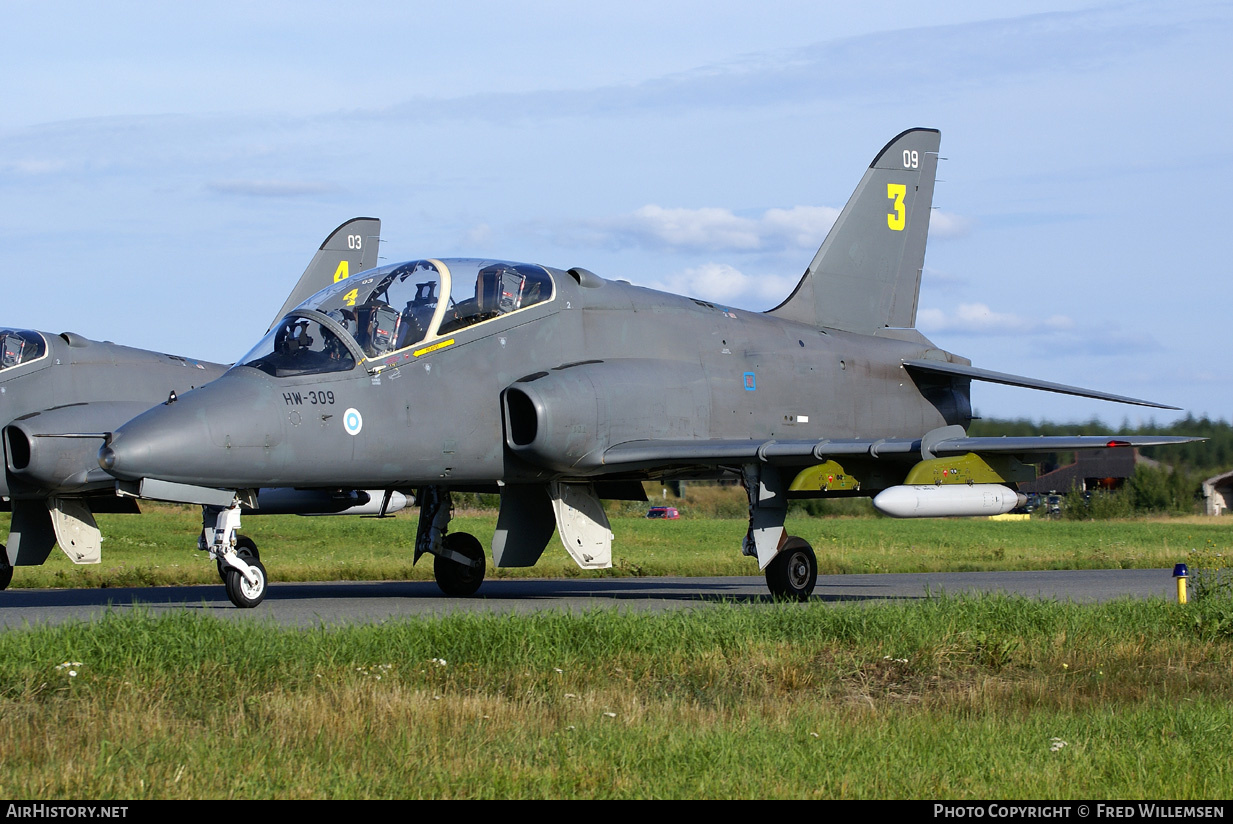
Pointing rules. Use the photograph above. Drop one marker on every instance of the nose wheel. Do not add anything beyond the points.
(242, 592)
(6, 569)
(793, 573)
(239, 563)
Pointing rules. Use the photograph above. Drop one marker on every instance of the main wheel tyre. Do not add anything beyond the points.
(457, 579)
(246, 548)
(793, 573)
(243, 594)
(6, 571)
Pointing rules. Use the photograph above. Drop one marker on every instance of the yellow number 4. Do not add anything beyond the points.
(896, 219)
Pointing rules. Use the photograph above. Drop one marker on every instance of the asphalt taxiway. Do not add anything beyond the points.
(357, 602)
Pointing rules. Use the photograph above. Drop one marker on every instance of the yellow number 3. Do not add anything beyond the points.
(896, 219)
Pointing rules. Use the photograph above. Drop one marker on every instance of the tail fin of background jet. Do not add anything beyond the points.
(350, 248)
(866, 276)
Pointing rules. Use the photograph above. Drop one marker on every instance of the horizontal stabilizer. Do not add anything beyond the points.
(989, 376)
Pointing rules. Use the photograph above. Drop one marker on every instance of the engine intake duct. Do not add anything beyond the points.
(552, 419)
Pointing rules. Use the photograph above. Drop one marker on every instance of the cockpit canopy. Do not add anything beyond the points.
(393, 307)
(18, 346)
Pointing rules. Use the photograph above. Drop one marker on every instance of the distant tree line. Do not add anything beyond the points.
(1173, 487)
(1210, 457)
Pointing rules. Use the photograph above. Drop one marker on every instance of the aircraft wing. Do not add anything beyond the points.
(949, 441)
(988, 375)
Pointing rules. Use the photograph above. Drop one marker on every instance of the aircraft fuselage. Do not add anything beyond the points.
(541, 393)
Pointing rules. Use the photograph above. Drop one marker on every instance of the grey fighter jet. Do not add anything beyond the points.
(59, 395)
(560, 388)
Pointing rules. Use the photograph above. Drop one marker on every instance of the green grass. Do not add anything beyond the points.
(956, 698)
(157, 547)
(961, 698)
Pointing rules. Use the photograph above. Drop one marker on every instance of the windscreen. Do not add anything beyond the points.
(299, 346)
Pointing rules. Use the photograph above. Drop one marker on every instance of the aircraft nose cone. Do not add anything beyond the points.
(156, 444)
(224, 434)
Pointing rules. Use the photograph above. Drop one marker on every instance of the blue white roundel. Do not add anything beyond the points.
(353, 421)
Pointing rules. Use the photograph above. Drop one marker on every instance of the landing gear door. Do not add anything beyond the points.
(76, 531)
(524, 525)
(583, 525)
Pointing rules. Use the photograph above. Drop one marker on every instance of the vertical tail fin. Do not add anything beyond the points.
(866, 276)
(350, 248)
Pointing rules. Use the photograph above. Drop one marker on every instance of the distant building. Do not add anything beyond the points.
(1218, 494)
(1093, 469)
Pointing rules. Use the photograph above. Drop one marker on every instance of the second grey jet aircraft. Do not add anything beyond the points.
(60, 394)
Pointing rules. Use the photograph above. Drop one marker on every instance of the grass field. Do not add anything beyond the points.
(967, 698)
(947, 698)
(157, 547)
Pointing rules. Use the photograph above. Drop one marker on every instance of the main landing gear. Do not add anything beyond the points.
(458, 557)
(793, 573)
(790, 565)
(239, 563)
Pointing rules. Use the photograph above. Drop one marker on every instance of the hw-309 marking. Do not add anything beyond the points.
(312, 397)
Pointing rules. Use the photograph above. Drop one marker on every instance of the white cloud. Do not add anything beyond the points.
(716, 229)
(979, 318)
(1055, 333)
(478, 235)
(707, 228)
(947, 224)
(713, 228)
(722, 283)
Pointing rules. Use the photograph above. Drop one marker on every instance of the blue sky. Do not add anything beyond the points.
(166, 170)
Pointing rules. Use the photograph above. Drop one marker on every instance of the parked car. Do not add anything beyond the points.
(668, 512)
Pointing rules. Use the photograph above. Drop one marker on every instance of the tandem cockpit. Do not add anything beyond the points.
(374, 315)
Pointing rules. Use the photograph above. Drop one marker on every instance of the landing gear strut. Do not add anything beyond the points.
(791, 567)
(239, 564)
(458, 562)
(246, 548)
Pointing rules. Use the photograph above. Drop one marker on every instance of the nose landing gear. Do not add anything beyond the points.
(239, 564)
